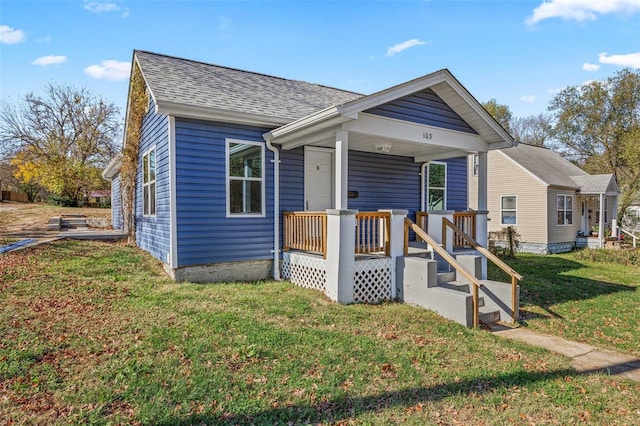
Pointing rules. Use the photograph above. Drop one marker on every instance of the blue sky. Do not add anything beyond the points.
(519, 52)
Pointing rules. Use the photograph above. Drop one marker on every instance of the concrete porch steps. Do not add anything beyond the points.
(73, 222)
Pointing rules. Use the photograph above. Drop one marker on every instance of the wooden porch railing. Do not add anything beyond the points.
(373, 231)
(515, 276)
(463, 220)
(475, 283)
(305, 231)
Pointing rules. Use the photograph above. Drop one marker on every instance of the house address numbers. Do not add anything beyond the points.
(427, 135)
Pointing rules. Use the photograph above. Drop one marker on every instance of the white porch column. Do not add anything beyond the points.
(341, 248)
(342, 169)
(601, 222)
(614, 217)
(396, 242)
(482, 237)
(482, 181)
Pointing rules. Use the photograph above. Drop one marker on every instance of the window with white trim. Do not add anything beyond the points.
(245, 178)
(149, 182)
(565, 209)
(437, 186)
(508, 210)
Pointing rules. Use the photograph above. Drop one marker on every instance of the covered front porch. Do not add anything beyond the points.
(378, 174)
(598, 201)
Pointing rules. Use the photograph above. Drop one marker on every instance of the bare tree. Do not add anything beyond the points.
(60, 140)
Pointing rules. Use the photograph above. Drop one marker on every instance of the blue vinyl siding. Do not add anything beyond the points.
(292, 180)
(205, 234)
(457, 183)
(392, 182)
(116, 204)
(423, 108)
(153, 232)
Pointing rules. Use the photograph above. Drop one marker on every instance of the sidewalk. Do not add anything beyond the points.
(584, 358)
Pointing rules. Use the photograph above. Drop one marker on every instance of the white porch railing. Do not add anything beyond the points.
(629, 233)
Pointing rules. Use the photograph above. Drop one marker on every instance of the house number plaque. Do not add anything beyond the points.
(427, 135)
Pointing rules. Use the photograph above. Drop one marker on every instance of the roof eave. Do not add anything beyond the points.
(280, 134)
(216, 114)
(113, 168)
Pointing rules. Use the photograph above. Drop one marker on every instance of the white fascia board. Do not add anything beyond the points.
(113, 167)
(302, 123)
(392, 93)
(216, 114)
(392, 128)
(477, 108)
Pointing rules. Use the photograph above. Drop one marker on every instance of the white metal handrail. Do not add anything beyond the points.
(629, 233)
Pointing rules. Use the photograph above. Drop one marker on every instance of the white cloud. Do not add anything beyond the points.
(111, 70)
(9, 35)
(628, 60)
(45, 39)
(44, 61)
(99, 7)
(528, 98)
(581, 10)
(590, 67)
(405, 45)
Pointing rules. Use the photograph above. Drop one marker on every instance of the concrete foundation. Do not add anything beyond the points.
(223, 272)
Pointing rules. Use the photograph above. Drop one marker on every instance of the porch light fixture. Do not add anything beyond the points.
(383, 147)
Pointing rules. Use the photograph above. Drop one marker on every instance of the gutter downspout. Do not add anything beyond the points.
(423, 167)
(276, 210)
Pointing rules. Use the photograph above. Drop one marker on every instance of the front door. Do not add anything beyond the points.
(585, 226)
(318, 178)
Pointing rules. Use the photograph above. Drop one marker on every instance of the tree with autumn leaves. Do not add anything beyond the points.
(596, 125)
(60, 141)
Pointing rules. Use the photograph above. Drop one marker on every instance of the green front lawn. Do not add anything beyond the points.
(569, 295)
(95, 333)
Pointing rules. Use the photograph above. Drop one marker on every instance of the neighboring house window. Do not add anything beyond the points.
(565, 210)
(245, 178)
(508, 210)
(436, 194)
(475, 165)
(149, 182)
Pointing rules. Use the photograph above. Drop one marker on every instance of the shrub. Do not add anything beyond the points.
(63, 201)
(621, 257)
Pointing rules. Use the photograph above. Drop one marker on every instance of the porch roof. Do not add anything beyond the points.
(369, 132)
(596, 184)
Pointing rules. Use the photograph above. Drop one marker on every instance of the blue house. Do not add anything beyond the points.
(245, 176)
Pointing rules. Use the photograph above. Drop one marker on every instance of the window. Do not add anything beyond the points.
(475, 165)
(149, 182)
(436, 194)
(245, 178)
(565, 210)
(508, 210)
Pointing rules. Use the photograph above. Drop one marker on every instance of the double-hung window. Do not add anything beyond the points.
(508, 210)
(437, 192)
(245, 178)
(149, 182)
(565, 209)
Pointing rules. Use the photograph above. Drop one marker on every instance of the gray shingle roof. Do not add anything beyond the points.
(596, 184)
(553, 169)
(190, 83)
(545, 164)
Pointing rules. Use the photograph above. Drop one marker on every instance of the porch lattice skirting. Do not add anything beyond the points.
(372, 277)
(372, 280)
(305, 270)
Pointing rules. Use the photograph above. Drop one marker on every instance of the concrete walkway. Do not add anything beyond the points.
(584, 358)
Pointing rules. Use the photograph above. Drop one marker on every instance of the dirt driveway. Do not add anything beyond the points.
(25, 220)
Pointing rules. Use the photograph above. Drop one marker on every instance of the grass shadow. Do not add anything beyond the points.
(349, 408)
